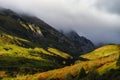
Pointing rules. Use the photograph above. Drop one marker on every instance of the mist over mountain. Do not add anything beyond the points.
(31, 49)
(80, 41)
(37, 31)
(97, 20)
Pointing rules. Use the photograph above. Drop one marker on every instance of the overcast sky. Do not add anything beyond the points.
(98, 20)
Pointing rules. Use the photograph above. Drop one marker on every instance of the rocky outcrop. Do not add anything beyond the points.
(80, 42)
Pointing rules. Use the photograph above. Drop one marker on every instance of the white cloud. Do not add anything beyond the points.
(112, 6)
(89, 18)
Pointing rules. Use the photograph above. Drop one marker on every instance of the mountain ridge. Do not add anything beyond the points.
(81, 42)
(31, 27)
(30, 49)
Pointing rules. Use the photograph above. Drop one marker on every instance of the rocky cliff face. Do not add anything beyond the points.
(80, 42)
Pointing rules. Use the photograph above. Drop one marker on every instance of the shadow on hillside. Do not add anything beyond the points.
(83, 59)
(20, 65)
(54, 58)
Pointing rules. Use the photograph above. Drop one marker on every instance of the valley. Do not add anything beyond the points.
(30, 49)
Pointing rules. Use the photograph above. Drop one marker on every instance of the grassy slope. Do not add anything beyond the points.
(102, 52)
(21, 56)
(21, 52)
(101, 64)
(17, 58)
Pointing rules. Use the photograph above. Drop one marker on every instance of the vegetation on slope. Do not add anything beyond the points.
(29, 46)
(96, 69)
(19, 56)
(102, 52)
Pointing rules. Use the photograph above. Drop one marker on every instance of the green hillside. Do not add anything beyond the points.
(25, 50)
(102, 52)
(16, 59)
(100, 68)
(30, 49)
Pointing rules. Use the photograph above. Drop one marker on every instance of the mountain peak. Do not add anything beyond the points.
(80, 41)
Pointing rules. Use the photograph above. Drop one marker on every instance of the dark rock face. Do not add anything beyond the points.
(80, 42)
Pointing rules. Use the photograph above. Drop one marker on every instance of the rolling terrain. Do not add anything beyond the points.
(106, 67)
(24, 49)
(30, 49)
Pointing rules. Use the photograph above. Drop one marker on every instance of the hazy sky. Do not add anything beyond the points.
(98, 20)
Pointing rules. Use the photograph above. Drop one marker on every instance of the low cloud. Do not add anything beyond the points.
(112, 6)
(98, 20)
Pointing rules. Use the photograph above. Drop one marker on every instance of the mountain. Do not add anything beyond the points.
(83, 45)
(37, 31)
(30, 49)
(29, 45)
(104, 65)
